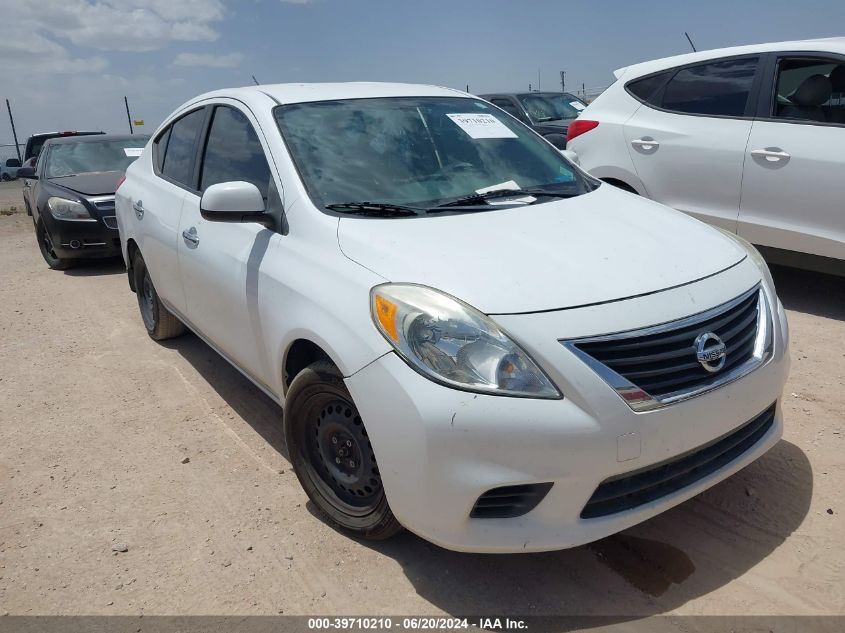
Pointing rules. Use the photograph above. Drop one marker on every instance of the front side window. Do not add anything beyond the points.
(810, 90)
(417, 151)
(716, 89)
(181, 150)
(70, 159)
(543, 107)
(233, 152)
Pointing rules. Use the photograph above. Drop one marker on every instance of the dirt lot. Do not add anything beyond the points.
(96, 420)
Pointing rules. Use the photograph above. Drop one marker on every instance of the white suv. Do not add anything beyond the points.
(749, 139)
(470, 336)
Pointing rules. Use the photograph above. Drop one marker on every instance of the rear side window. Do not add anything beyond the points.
(646, 88)
(233, 152)
(507, 105)
(159, 147)
(717, 89)
(181, 150)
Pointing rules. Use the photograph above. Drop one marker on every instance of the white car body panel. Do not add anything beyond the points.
(703, 165)
(625, 262)
(600, 263)
(795, 204)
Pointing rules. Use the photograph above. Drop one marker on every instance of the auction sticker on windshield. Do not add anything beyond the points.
(481, 125)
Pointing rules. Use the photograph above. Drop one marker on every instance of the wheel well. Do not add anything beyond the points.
(301, 354)
(620, 184)
(131, 249)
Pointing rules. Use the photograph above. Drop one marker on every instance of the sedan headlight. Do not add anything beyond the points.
(64, 209)
(454, 344)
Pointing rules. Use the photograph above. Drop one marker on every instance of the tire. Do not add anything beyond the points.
(45, 245)
(332, 455)
(160, 323)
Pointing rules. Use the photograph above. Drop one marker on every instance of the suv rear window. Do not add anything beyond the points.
(718, 88)
(646, 88)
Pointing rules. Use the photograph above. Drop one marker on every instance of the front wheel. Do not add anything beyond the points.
(332, 455)
(45, 245)
(161, 324)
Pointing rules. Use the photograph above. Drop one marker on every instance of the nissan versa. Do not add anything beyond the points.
(471, 337)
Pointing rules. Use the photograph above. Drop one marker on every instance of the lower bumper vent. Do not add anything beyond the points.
(635, 489)
(509, 501)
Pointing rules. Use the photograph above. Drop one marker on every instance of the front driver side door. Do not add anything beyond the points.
(220, 262)
(792, 191)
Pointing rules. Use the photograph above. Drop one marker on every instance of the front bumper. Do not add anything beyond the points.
(439, 449)
(83, 240)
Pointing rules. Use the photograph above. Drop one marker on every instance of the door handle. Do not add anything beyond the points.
(645, 143)
(190, 236)
(773, 155)
(138, 207)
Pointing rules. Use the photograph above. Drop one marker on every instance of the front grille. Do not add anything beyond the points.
(110, 221)
(664, 362)
(634, 489)
(104, 204)
(509, 501)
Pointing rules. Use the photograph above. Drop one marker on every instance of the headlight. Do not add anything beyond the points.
(64, 209)
(454, 344)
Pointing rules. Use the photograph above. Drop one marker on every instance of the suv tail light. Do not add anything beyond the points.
(578, 127)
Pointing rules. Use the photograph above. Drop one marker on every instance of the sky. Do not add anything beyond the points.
(67, 64)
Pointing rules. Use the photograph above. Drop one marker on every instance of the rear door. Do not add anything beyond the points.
(157, 202)
(687, 141)
(221, 262)
(793, 195)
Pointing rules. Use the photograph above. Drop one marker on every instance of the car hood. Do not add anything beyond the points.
(602, 246)
(93, 184)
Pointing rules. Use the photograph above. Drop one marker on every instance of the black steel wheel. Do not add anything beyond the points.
(332, 454)
(45, 245)
(158, 320)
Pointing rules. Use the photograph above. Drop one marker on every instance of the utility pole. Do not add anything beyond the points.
(14, 132)
(563, 81)
(128, 118)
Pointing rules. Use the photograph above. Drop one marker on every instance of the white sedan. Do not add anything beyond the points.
(471, 337)
(749, 139)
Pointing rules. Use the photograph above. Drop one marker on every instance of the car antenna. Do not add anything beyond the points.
(255, 80)
(689, 39)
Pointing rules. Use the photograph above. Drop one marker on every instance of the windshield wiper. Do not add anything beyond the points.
(376, 209)
(478, 198)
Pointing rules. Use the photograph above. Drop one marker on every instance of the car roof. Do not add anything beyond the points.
(831, 45)
(525, 93)
(97, 138)
(283, 94)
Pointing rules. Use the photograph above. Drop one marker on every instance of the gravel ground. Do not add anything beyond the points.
(10, 195)
(101, 513)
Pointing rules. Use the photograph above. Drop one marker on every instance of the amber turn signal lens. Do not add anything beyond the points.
(386, 314)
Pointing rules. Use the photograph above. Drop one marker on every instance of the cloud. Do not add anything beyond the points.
(116, 25)
(232, 60)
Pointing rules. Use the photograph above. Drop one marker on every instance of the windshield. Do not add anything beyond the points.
(545, 107)
(417, 151)
(68, 159)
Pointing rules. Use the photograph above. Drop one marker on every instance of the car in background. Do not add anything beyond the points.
(548, 113)
(35, 142)
(9, 169)
(470, 336)
(70, 195)
(749, 139)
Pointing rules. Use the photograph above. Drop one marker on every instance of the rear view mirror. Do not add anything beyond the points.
(27, 172)
(235, 201)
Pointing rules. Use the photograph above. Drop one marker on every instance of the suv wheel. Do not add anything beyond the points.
(161, 324)
(332, 455)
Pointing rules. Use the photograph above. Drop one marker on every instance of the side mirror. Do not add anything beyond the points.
(27, 172)
(571, 156)
(235, 201)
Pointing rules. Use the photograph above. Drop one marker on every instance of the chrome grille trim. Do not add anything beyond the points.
(110, 221)
(639, 399)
